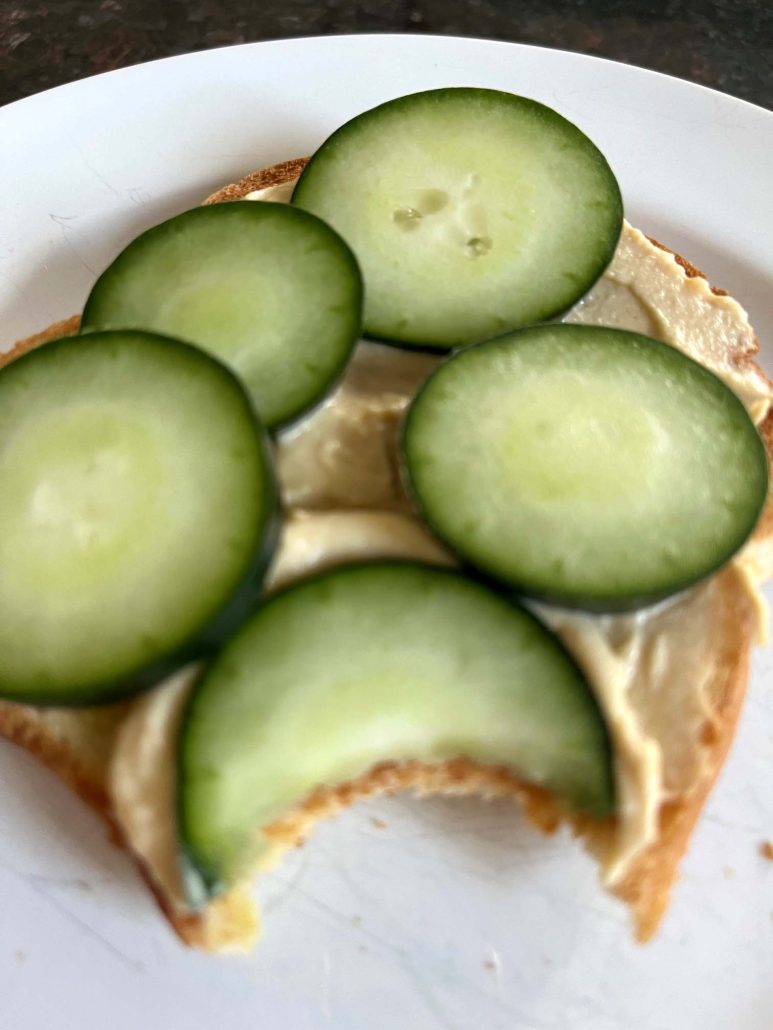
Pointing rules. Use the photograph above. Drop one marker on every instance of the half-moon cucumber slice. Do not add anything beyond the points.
(270, 290)
(471, 212)
(593, 467)
(137, 517)
(367, 663)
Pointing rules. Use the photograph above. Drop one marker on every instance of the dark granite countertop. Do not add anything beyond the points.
(727, 45)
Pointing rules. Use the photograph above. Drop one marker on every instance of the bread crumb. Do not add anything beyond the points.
(377, 823)
(766, 849)
(19, 956)
(493, 963)
(728, 872)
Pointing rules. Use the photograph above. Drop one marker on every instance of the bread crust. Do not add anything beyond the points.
(230, 922)
(646, 889)
(275, 175)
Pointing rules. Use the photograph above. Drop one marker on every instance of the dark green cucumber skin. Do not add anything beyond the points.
(90, 321)
(201, 883)
(224, 623)
(597, 604)
(340, 135)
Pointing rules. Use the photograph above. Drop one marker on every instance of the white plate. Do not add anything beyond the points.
(453, 914)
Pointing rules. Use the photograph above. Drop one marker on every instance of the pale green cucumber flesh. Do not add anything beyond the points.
(271, 291)
(138, 509)
(588, 466)
(374, 662)
(470, 211)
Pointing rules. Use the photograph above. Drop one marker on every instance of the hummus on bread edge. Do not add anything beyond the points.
(341, 484)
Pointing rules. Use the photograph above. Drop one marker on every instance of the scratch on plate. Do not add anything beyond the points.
(76, 883)
(326, 970)
(289, 885)
(34, 883)
(138, 196)
(63, 222)
(108, 945)
(97, 174)
(341, 924)
(730, 824)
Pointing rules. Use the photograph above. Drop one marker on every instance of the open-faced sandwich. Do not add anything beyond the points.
(254, 567)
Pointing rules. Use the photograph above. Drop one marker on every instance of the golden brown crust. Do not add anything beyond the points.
(766, 849)
(24, 725)
(691, 271)
(230, 921)
(457, 777)
(276, 175)
(67, 327)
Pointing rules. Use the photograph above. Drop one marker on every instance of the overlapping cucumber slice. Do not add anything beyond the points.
(589, 466)
(270, 290)
(137, 516)
(471, 212)
(373, 662)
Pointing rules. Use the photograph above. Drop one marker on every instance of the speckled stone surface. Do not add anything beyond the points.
(727, 45)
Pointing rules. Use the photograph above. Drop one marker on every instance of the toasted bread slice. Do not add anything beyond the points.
(78, 744)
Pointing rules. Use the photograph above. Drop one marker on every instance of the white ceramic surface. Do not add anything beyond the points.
(402, 915)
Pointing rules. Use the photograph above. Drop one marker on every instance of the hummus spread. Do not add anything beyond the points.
(340, 481)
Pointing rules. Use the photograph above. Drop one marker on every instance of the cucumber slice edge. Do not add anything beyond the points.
(601, 601)
(217, 627)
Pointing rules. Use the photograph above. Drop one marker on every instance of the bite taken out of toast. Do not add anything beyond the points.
(721, 618)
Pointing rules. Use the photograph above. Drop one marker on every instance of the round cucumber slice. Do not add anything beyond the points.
(138, 513)
(367, 663)
(471, 211)
(270, 290)
(592, 467)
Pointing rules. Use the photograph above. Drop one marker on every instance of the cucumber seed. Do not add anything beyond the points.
(477, 246)
(407, 218)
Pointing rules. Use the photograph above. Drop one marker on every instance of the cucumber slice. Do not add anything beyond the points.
(270, 290)
(138, 511)
(367, 663)
(588, 466)
(471, 211)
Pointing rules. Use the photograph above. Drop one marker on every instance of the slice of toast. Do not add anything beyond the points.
(78, 744)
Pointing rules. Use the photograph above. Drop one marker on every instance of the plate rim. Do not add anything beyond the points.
(192, 55)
